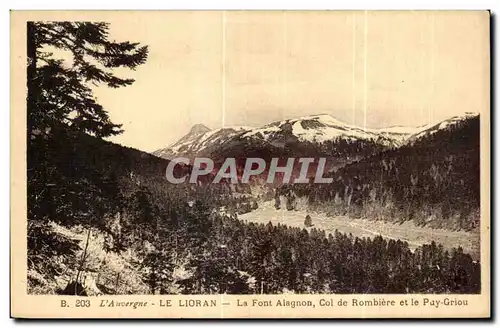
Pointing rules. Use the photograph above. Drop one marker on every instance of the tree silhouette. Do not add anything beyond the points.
(58, 90)
(308, 221)
(60, 97)
(65, 59)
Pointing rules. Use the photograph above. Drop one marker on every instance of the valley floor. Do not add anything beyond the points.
(407, 231)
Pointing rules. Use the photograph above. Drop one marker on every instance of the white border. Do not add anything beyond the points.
(255, 4)
(493, 5)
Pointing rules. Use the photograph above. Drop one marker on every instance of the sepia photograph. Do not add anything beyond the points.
(251, 161)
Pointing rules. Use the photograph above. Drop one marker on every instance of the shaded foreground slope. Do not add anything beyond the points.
(102, 220)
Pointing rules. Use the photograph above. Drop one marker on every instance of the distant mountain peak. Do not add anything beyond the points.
(320, 118)
(311, 130)
(433, 128)
(198, 129)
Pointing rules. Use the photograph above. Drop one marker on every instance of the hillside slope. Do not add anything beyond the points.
(434, 180)
(101, 220)
(94, 214)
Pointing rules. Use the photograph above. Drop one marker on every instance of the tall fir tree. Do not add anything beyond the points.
(59, 91)
(64, 61)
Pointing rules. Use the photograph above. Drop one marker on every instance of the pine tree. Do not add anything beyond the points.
(63, 184)
(308, 221)
(60, 98)
(58, 93)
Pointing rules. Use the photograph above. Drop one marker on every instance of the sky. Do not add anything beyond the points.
(373, 69)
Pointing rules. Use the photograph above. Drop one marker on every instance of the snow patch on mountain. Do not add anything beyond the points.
(196, 142)
(327, 128)
(433, 128)
(263, 132)
(400, 134)
(402, 129)
(313, 128)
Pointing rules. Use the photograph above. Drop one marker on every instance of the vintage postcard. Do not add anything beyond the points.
(250, 164)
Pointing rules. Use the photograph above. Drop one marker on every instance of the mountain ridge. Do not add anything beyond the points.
(433, 181)
(305, 131)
